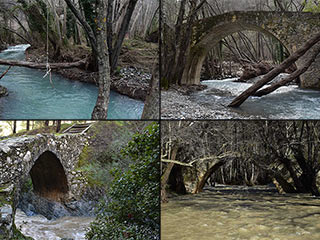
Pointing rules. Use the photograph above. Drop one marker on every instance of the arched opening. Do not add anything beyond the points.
(212, 39)
(48, 177)
(248, 50)
(176, 181)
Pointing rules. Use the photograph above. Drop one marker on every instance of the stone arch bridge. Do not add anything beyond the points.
(292, 29)
(50, 160)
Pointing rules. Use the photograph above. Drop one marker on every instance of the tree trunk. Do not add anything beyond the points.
(80, 63)
(110, 28)
(14, 130)
(100, 53)
(58, 128)
(152, 104)
(273, 73)
(166, 174)
(205, 177)
(292, 76)
(28, 125)
(282, 185)
(101, 108)
(86, 27)
(122, 32)
(5, 72)
(46, 123)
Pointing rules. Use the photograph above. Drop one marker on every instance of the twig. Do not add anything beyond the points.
(3, 74)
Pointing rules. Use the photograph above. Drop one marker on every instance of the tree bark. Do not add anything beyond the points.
(110, 28)
(14, 130)
(86, 26)
(166, 174)
(292, 76)
(101, 108)
(273, 73)
(205, 177)
(80, 63)
(122, 32)
(5, 72)
(152, 105)
(28, 125)
(58, 128)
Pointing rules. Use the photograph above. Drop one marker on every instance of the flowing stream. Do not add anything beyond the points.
(289, 102)
(40, 228)
(32, 97)
(240, 212)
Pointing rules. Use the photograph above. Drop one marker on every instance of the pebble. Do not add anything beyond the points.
(175, 105)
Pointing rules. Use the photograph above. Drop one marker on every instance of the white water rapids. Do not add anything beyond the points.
(288, 102)
(40, 228)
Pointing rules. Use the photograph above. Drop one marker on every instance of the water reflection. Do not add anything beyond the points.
(237, 212)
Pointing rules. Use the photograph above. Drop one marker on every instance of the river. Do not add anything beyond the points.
(240, 212)
(40, 228)
(288, 102)
(32, 97)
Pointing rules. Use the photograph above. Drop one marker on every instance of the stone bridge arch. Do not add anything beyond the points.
(48, 176)
(52, 163)
(292, 29)
(198, 171)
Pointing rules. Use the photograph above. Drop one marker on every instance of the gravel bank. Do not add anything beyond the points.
(177, 104)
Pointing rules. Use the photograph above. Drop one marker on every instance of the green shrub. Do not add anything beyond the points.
(133, 211)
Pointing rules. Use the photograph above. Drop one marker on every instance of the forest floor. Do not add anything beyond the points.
(133, 74)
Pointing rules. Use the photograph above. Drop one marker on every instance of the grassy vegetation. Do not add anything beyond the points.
(103, 153)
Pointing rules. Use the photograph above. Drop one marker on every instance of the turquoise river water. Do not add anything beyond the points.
(32, 97)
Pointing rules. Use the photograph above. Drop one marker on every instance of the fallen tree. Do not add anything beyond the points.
(292, 76)
(5, 72)
(275, 72)
(80, 63)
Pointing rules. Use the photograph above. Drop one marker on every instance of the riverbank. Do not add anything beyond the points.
(212, 100)
(133, 74)
(178, 103)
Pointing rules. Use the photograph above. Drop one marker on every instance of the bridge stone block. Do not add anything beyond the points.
(292, 29)
(17, 158)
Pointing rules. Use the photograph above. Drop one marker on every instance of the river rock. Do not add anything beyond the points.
(3, 91)
(254, 70)
(3, 47)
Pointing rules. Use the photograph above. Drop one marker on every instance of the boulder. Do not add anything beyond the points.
(254, 70)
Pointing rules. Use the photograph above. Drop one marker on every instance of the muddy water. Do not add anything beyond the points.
(253, 213)
(38, 227)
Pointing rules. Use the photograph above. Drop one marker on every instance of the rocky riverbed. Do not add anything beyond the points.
(210, 100)
(178, 103)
